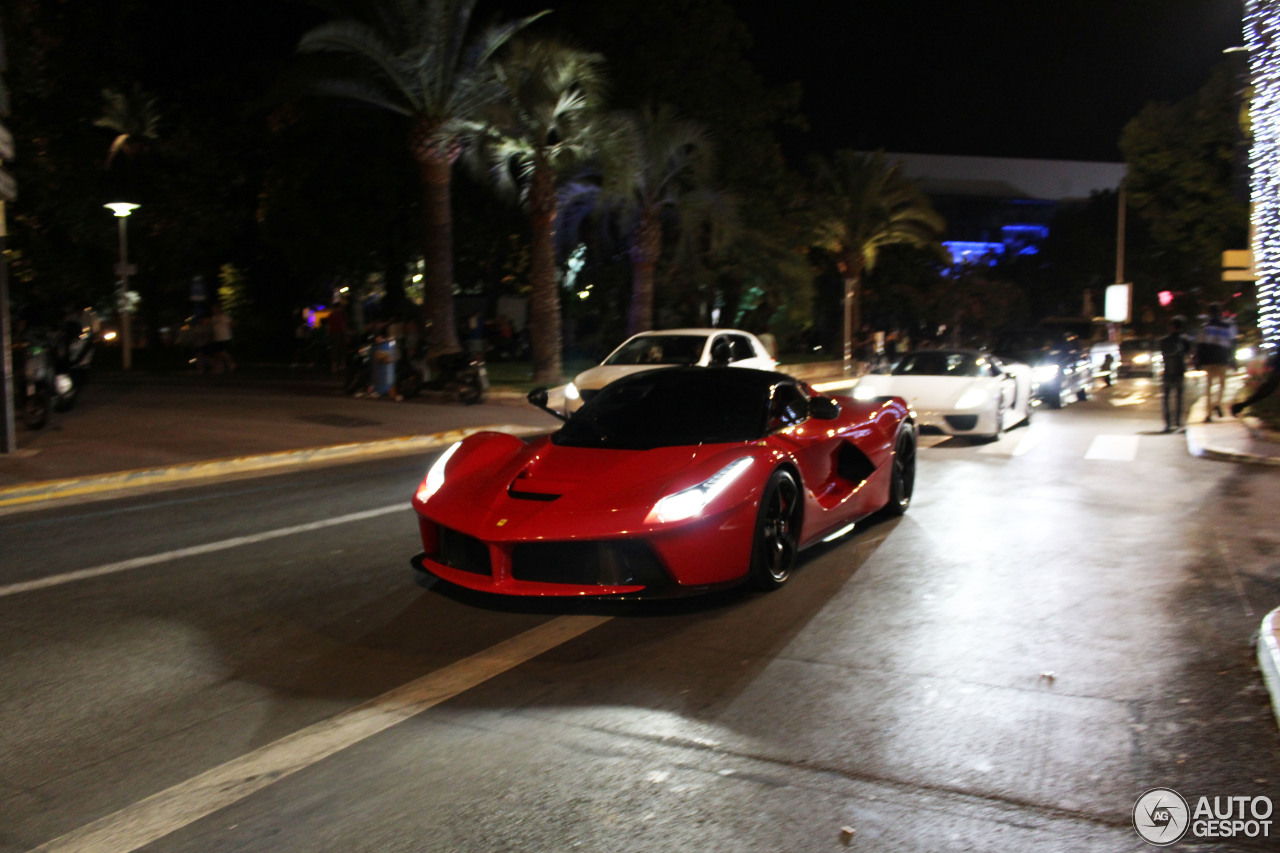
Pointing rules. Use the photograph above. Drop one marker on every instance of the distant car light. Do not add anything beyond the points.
(1045, 372)
(1244, 353)
(1142, 358)
(571, 392)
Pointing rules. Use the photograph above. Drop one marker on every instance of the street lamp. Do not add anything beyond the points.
(122, 209)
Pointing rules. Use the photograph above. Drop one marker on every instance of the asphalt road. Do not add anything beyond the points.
(1063, 621)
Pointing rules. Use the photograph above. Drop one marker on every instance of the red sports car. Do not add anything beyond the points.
(667, 482)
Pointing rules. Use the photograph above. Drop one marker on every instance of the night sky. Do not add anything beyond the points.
(1010, 78)
(1021, 78)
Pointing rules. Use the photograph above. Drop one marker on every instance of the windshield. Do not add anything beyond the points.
(666, 408)
(937, 363)
(1137, 345)
(660, 349)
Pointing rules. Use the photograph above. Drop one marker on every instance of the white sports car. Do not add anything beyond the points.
(956, 392)
(670, 348)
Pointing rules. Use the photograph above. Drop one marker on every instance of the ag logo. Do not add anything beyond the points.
(1161, 816)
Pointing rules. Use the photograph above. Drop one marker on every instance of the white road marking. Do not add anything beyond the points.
(195, 550)
(1025, 442)
(1114, 448)
(168, 811)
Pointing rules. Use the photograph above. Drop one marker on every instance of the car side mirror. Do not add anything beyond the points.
(538, 397)
(824, 408)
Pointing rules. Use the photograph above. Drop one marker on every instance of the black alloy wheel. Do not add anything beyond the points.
(903, 482)
(773, 553)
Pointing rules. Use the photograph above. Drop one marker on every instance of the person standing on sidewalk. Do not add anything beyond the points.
(1175, 347)
(1265, 388)
(220, 340)
(1215, 354)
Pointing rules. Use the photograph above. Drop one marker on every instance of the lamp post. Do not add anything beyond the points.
(122, 209)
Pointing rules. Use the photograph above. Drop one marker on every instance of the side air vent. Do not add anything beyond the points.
(852, 464)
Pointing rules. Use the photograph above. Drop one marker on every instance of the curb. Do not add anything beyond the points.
(79, 486)
(1269, 658)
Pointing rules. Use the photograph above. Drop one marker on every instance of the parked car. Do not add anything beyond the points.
(670, 348)
(1140, 357)
(667, 482)
(956, 392)
(1060, 372)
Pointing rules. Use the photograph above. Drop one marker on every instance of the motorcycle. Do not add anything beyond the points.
(71, 366)
(464, 378)
(33, 381)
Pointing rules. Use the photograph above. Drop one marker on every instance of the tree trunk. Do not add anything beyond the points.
(544, 304)
(646, 244)
(435, 168)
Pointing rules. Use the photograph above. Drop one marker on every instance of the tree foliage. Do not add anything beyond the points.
(1182, 162)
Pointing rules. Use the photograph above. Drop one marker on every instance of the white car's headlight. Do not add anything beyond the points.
(972, 399)
(1142, 358)
(435, 476)
(689, 503)
(863, 391)
(1045, 372)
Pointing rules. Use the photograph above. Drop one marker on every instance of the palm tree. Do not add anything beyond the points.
(657, 168)
(863, 204)
(133, 116)
(418, 59)
(543, 125)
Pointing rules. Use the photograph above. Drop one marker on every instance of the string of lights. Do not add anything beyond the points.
(1262, 39)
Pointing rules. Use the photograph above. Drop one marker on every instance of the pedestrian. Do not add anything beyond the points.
(1265, 388)
(1175, 347)
(1216, 355)
(220, 326)
(339, 330)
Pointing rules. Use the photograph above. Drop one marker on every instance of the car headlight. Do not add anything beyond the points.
(435, 476)
(972, 399)
(1244, 353)
(689, 503)
(865, 392)
(1045, 372)
(571, 392)
(1142, 358)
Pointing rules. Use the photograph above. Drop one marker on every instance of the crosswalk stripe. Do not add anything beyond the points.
(1113, 448)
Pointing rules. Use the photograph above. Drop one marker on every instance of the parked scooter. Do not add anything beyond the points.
(464, 378)
(32, 380)
(71, 364)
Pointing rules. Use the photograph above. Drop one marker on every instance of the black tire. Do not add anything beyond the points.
(66, 402)
(410, 385)
(470, 391)
(774, 548)
(357, 379)
(902, 484)
(1054, 400)
(1082, 394)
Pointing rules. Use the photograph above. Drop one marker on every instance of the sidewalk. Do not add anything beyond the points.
(132, 429)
